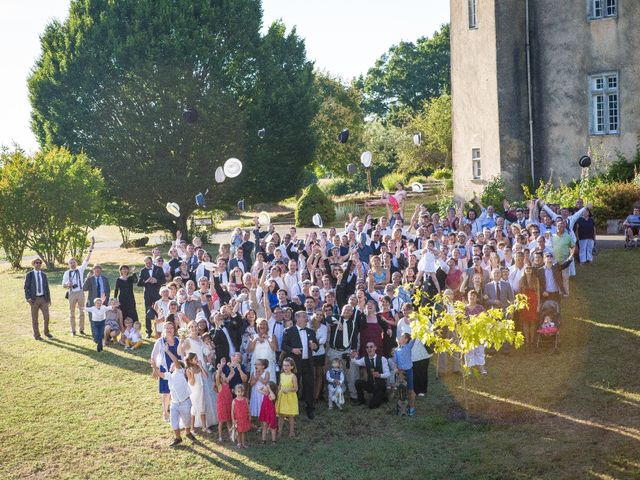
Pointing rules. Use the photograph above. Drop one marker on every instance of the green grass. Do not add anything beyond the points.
(68, 412)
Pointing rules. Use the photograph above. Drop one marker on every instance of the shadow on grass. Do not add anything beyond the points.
(133, 363)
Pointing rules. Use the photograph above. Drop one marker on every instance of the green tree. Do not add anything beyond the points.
(445, 327)
(64, 197)
(408, 74)
(15, 172)
(115, 77)
(435, 151)
(340, 107)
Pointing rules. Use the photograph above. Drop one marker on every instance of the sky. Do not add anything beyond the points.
(343, 37)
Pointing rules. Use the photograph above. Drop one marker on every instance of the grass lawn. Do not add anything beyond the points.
(69, 412)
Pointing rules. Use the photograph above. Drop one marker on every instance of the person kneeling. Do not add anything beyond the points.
(377, 372)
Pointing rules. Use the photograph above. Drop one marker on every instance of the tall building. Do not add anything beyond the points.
(536, 83)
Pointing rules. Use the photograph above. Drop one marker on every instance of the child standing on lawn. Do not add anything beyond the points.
(98, 314)
(223, 406)
(287, 403)
(258, 380)
(240, 415)
(335, 385)
(402, 356)
(267, 416)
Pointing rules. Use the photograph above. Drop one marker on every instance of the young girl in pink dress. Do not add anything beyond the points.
(240, 415)
(223, 407)
(396, 201)
(267, 416)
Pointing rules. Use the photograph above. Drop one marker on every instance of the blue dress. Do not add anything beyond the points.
(163, 385)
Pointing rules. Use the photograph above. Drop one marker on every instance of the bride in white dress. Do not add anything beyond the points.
(193, 344)
(263, 347)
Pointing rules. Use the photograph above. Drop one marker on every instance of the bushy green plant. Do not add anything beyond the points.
(312, 201)
(417, 179)
(614, 200)
(390, 180)
(445, 202)
(343, 210)
(494, 194)
(442, 173)
(448, 183)
(623, 169)
(337, 186)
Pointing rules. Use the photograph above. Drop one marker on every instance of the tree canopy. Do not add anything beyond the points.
(115, 77)
(407, 75)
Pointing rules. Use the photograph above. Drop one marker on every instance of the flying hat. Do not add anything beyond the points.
(317, 220)
(209, 266)
(200, 199)
(343, 136)
(365, 159)
(173, 208)
(240, 204)
(264, 218)
(417, 187)
(190, 115)
(262, 133)
(351, 169)
(220, 176)
(417, 139)
(232, 167)
(585, 161)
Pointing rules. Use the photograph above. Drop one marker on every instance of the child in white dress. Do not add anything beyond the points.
(259, 379)
(195, 376)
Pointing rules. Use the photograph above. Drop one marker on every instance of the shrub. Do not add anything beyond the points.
(442, 174)
(337, 186)
(448, 183)
(494, 193)
(623, 170)
(614, 200)
(313, 201)
(418, 179)
(389, 181)
(343, 210)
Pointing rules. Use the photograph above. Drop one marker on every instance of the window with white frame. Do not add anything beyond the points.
(473, 13)
(605, 109)
(603, 8)
(475, 164)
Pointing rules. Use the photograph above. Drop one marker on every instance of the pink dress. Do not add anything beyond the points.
(241, 414)
(268, 412)
(223, 407)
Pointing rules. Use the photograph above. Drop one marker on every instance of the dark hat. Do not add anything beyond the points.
(190, 115)
(343, 136)
(240, 204)
(584, 161)
(351, 168)
(200, 199)
(262, 132)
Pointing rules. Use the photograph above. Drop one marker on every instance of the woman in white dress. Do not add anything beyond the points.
(263, 347)
(194, 344)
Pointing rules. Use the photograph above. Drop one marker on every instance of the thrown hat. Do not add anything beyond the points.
(190, 115)
(365, 159)
(232, 167)
(210, 266)
(417, 139)
(200, 199)
(173, 208)
(343, 136)
(351, 169)
(417, 187)
(262, 133)
(585, 161)
(317, 220)
(219, 175)
(264, 218)
(240, 204)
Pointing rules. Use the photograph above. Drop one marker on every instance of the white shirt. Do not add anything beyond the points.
(305, 342)
(292, 283)
(75, 276)
(418, 352)
(178, 385)
(98, 314)
(515, 274)
(321, 335)
(276, 330)
(385, 364)
(37, 276)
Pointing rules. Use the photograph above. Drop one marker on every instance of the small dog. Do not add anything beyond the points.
(401, 389)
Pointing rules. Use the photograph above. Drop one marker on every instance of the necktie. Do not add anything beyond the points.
(498, 291)
(38, 283)
(98, 287)
(345, 335)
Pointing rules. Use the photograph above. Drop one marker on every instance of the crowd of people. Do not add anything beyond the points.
(277, 320)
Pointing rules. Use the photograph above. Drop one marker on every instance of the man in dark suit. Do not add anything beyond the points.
(36, 292)
(299, 342)
(151, 278)
(499, 292)
(550, 278)
(221, 339)
(239, 261)
(377, 369)
(97, 286)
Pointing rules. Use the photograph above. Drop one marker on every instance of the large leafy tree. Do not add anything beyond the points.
(115, 77)
(408, 74)
(340, 108)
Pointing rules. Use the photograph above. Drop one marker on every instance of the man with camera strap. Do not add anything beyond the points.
(73, 280)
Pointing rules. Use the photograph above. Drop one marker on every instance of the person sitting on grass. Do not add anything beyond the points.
(402, 356)
(631, 226)
(133, 335)
(180, 409)
(113, 322)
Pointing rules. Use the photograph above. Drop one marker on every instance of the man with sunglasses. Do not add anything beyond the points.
(36, 292)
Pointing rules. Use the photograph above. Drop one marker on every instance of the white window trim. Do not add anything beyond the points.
(605, 92)
(477, 159)
(591, 10)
